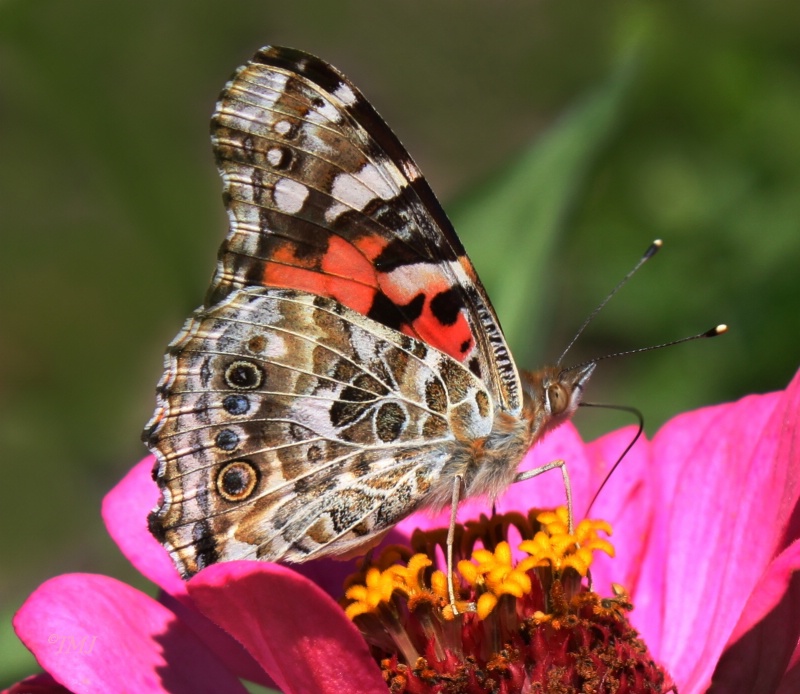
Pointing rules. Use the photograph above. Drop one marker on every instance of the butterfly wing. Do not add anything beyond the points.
(289, 426)
(321, 196)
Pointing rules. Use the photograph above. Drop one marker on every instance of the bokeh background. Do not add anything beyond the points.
(562, 135)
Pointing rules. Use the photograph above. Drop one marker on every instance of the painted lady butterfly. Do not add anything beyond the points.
(347, 367)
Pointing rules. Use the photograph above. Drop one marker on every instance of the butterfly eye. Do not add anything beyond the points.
(558, 398)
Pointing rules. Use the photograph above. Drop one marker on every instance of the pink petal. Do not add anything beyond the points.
(761, 647)
(95, 634)
(729, 479)
(298, 634)
(125, 510)
(626, 501)
(37, 684)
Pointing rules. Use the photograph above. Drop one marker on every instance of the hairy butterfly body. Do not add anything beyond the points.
(347, 367)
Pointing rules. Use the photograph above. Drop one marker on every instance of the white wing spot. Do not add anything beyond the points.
(334, 211)
(350, 192)
(410, 170)
(273, 86)
(325, 114)
(370, 176)
(275, 156)
(289, 195)
(276, 346)
(356, 191)
(282, 127)
(345, 94)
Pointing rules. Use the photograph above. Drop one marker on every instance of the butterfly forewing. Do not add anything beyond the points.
(322, 197)
(327, 425)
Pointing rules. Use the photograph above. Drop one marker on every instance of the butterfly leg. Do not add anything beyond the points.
(522, 476)
(451, 540)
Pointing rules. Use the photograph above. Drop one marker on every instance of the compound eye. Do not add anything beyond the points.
(559, 399)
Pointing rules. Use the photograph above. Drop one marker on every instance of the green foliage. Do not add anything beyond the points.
(516, 220)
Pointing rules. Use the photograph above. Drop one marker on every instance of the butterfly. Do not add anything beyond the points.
(346, 368)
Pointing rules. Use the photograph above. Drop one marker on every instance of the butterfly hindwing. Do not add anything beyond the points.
(289, 426)
(322, 197)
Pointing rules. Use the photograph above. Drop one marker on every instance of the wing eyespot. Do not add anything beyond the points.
(243, 375)
(237, 480)
(227, 440)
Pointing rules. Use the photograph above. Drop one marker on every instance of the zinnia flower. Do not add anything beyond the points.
(706, 526)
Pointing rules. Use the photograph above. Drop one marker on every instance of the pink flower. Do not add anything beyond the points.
(707, 528)
(93, 633)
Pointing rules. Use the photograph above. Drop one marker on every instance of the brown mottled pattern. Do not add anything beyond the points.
(457, 381)
(435, 396)
(322, 426)
(482, 401)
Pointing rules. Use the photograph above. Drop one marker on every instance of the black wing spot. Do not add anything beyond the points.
(257, 344)
(435, 396)
(475, 366)
(397, 252)
(205, 372)
(385, 311)
(350, 407)
(413, 309)
(482, 401)
(446, 306)
(205, 545)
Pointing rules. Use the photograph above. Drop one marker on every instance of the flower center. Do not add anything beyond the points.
(525, 622)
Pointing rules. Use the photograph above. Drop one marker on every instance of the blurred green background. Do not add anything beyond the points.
(563, 135)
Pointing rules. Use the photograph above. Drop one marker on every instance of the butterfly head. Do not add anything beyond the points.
(553, 393)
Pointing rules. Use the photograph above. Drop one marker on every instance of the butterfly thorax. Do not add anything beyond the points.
(488, 465)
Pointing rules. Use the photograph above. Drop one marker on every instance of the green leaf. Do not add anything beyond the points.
(512, 224)
(17, 661)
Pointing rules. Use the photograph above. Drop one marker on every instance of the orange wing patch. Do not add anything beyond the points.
(427, 307)
(343, 273)
(442, 320)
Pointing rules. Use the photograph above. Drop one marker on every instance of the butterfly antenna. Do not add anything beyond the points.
(649, 253)
(713, 332)
(639, 431)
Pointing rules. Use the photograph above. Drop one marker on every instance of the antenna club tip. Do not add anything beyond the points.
(653, 249)
(718, 330)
